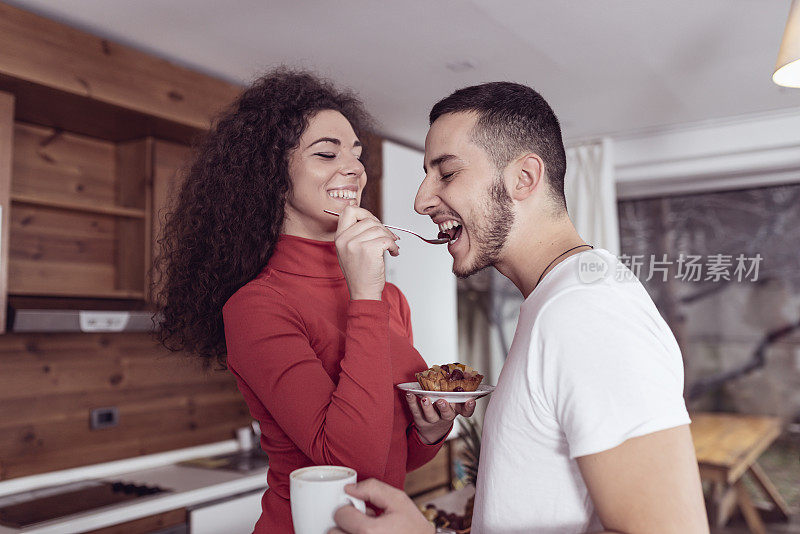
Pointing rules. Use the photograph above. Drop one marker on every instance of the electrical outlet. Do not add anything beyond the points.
(104, 417)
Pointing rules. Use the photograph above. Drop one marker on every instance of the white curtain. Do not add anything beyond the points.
(591, 193)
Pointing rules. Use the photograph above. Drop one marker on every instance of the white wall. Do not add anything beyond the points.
(732, 153)
(423, 272)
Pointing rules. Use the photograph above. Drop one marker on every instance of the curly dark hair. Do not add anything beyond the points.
(222, 227)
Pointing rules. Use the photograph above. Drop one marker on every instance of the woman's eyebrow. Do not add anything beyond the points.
(326, 140)
(333, 140)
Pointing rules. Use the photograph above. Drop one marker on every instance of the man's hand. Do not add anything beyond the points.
(434, 423)
(400, 515)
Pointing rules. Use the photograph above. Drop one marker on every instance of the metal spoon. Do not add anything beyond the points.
(438, 241)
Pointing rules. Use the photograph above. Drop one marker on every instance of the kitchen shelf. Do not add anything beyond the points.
(80, 217)
(86, 293)
(35, 200)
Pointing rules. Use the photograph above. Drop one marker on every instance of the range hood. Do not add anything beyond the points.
(80, 321)
(67, 315)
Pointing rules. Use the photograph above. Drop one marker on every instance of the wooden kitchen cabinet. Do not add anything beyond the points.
(79, 215)
(232, 515)
(434, 476)
(146, 525)
(86, 213)
(92, 134)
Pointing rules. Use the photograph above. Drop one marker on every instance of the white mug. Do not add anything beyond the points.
(316, 493)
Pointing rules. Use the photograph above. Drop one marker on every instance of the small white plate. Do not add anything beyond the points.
(453, 397)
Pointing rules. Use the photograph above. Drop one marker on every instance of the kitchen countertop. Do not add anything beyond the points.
(190, 486)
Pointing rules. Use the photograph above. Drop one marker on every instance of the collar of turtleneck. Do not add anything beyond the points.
(306, 257)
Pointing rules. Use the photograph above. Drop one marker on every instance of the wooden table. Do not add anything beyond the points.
(727, 447)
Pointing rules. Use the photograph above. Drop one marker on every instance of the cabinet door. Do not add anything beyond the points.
(237, 515)
(169, 164)
(172, 521)
(6, 147)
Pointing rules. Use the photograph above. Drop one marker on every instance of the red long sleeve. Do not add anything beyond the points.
(420, 453)
(348, 423)
(318, 371)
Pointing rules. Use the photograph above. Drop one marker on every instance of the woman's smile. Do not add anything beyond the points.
(344, 194)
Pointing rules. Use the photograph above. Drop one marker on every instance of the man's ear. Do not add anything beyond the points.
(528, 176)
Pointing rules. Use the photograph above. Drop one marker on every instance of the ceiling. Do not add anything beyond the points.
(606, 66)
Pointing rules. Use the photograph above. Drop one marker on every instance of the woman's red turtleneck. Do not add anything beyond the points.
(318, 370)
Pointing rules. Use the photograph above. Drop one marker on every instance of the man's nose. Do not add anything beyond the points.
(426, 198)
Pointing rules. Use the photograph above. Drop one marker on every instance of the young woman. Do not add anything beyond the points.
(292, 299)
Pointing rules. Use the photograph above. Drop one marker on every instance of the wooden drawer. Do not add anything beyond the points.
(435, 474)
(147, 524)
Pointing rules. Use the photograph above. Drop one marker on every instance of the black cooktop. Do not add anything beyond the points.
(26, 509)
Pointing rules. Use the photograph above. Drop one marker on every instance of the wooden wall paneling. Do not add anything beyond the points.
(46, 52)
(50, 383)
(61, 252)
(6, 166)
(33, 241)
(65, 279)
(159, 417)
(46, 106)
(57, 166)
(21, 410)
(93, 364)
(133, 170)
(133, 165)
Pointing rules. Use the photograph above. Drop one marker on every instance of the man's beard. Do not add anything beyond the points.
(489, 238)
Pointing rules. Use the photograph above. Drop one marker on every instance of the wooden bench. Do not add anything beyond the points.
(727, 447)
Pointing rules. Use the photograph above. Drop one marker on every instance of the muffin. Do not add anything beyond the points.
(450, 377)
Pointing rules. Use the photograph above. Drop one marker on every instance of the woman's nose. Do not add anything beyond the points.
(352, 167)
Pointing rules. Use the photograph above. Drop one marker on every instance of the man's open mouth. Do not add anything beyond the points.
(450, 230)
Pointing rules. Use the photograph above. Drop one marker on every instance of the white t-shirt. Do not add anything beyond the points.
(592, 364)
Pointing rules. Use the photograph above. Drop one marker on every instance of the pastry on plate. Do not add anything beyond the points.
(450, 377)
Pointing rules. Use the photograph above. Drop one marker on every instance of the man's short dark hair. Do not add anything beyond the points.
(512, 119)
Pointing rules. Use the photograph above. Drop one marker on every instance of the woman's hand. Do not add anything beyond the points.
(361, 240)
(433, 423)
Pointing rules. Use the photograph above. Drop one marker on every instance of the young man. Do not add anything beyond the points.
(587, 430)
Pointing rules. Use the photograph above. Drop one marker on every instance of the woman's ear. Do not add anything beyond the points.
(528, 176)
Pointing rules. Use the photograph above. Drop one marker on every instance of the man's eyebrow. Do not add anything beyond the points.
(438, 161)
(333, 140)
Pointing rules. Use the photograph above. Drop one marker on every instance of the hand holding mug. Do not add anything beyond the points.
(316, 492)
